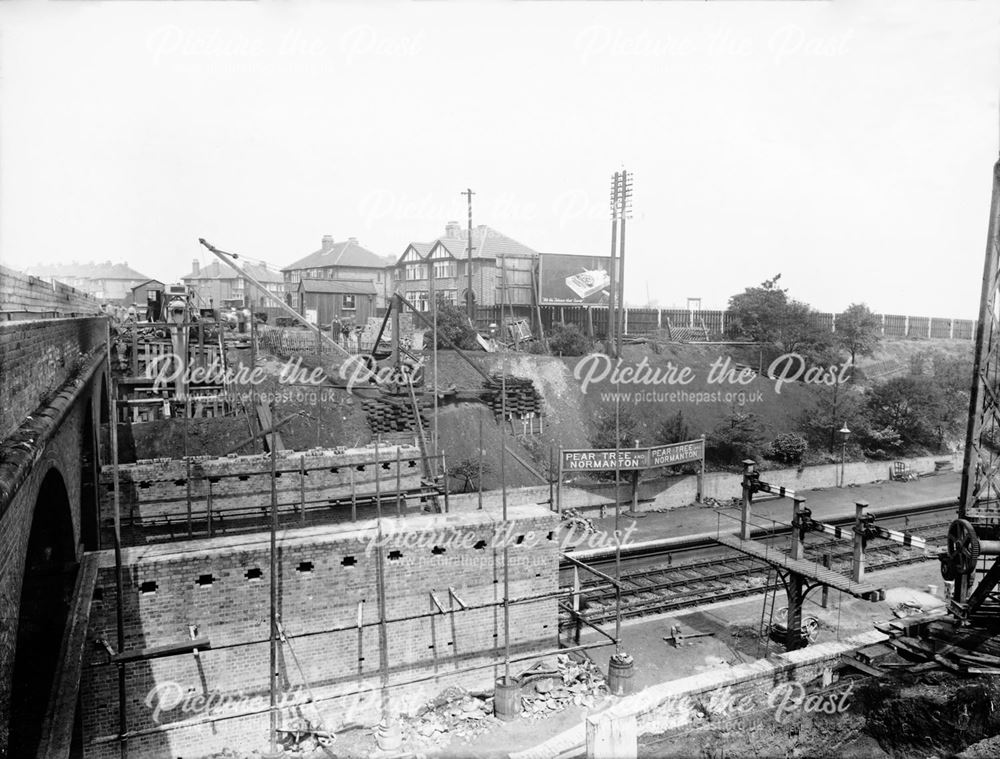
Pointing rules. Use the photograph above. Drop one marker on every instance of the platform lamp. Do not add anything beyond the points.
(843, 434)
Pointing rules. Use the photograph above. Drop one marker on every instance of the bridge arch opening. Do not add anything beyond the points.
(89, 493)
(49, 574)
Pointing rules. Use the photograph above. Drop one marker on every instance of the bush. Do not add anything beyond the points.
(736, 438)
(788, 447)
(674, 429)
(568, 340)
(453, 325)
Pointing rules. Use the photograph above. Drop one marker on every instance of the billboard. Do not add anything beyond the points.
(566, 280)
(603, 460)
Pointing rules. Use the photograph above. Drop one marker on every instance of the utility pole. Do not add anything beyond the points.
(614, 268)
(468, 193)
(624, 211)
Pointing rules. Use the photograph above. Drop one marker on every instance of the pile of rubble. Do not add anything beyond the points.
(455, 713)
(573, 518)
(547, 687)
(570, 683)
(715, 503)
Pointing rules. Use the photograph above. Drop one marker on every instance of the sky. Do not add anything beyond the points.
(847, 146)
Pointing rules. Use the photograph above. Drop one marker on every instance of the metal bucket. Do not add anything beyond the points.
(506, 699)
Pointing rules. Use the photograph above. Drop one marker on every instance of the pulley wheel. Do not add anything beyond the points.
(963, 546)
(948, 569)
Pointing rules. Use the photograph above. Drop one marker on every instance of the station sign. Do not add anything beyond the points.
(630, 459)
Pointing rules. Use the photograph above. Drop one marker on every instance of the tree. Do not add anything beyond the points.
(911, 406)
(604, 428)
(766, 314)
(758, 312)
(453, 325)
(673, 429)
(857, 331)
(628, 428)
(737, 437)
(830, 409)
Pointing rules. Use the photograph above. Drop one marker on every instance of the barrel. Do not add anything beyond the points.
(620, 671)
(506, 699)
(388, 736)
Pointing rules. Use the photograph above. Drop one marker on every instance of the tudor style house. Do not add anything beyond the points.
(502, 269)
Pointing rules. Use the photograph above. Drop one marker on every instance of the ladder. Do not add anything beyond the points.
(767, 612)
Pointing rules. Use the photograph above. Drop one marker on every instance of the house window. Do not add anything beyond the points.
(349, 304)
(420, 300)
(415, 271)
(444, 269)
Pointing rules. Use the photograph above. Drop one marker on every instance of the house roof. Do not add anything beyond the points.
(148, 281)
(90, 270)
(338, 286)
(216, 270)
(487, 243)
(347, 253)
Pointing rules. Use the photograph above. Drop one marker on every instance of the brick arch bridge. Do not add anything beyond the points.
(54, 404)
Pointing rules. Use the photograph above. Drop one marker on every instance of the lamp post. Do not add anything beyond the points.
(843, 433)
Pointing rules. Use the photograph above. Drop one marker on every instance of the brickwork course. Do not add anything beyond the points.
(324, 574)
(25, 297)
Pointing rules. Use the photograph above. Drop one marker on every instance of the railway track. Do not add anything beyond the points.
(671, 585)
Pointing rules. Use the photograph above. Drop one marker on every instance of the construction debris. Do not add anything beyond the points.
(574, 519)
(455, 713)
(571, 684)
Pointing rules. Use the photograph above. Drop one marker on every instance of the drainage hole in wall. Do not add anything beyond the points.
(254, 573)
(205, 580)
(349, 561)
(305, 566)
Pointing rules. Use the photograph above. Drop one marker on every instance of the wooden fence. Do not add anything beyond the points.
(715, 324)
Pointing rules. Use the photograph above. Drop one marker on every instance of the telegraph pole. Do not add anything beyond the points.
(468, 193)
(614, 268)
(624, 212)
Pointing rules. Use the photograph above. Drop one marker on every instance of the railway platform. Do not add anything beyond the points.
(826, 504)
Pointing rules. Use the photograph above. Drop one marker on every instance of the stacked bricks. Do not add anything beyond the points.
(36, 358)
(385, 417)
(522, 397)
(24, 296)
(323, 575)
(153, 491)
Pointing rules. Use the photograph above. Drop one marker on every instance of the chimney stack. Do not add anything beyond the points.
(453, 231)
(327, 243)
(195, 267)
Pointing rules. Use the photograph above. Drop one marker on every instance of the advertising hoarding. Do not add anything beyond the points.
(570, 280)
